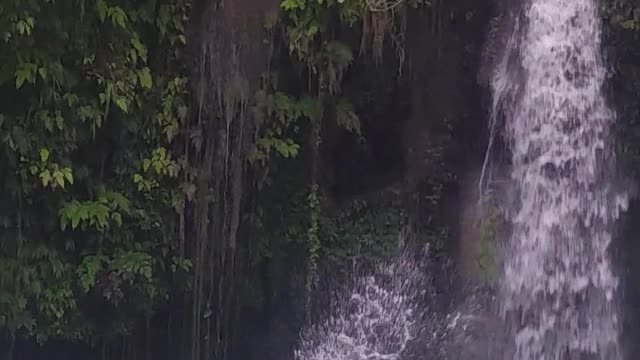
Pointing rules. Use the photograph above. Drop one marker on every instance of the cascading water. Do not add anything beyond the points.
(558, 288)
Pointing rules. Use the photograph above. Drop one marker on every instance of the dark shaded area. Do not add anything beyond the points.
(622, 54)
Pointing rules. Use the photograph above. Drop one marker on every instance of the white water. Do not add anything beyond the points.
(559, 291)
(386, 316)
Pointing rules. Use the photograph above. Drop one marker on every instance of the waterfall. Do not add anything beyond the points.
(558, 293)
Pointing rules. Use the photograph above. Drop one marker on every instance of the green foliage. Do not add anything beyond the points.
(366, 230)
(308, 20)
(89, 167)
(624, 14)
(281, 114)
(89, 269)
(490, 226)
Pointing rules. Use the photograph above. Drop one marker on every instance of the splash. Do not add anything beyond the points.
(386, 315)
(558, 288)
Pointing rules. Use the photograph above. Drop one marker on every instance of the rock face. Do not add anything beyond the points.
(499, 30)
(469, 224)
(475, 333)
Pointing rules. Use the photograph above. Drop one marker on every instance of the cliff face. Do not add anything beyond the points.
(232, 53)
(425, 129)
(621, 47)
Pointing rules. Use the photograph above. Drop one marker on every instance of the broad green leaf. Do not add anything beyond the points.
(71, 99)
(88, 269)
(157, 165)
(118, 17)
(21, 27)
(122, 104)
(134, 55)
(45, 177)
(59, 121)
(139, 47)
(68, 175)
(119, 200)
(44, 155)
(21, 77)
(145, 78)
(59, 177)
(48, 123)
(75, 219)
(101, 7)
(101, 213)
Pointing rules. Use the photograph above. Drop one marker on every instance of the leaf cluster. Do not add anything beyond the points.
(91, 165)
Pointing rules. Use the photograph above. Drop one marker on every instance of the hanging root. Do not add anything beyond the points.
(383, 19)
(382, 5)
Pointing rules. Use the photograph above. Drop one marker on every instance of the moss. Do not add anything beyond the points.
(490, 226)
